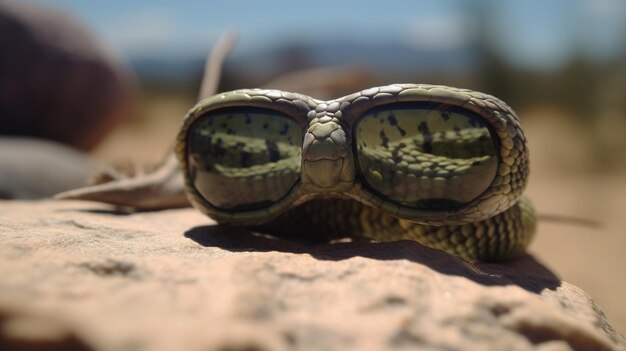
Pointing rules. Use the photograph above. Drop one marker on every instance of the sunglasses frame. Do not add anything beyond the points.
(503, 192)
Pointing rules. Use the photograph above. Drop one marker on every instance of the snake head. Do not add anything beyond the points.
(327, 160)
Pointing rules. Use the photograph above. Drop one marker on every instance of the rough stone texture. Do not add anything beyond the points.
(79, 276)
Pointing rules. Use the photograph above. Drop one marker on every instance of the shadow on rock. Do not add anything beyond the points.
(113, 211)
(525, 271)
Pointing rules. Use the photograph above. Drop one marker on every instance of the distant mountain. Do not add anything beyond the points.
(167, 69)
(386, 58)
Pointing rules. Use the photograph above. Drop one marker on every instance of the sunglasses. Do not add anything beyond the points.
(431, 154)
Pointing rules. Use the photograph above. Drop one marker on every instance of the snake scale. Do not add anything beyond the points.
(330, 196)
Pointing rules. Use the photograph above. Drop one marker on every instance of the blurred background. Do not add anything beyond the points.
(560, 64)
(565, 58)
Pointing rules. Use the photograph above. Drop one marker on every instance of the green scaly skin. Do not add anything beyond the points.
(330, 198)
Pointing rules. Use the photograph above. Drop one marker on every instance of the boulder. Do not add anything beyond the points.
(57, 80)
(84, 276)
(23, 161)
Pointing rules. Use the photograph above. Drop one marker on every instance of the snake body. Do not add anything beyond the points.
(327, 191)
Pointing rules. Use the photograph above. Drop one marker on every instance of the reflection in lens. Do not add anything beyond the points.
(426, 156)
(244, 158)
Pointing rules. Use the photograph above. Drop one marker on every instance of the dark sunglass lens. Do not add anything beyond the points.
(426, 156)
(244, 159)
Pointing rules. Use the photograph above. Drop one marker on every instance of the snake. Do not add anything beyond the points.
(442, 166)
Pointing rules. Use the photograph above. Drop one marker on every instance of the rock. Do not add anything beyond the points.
(86, 277)
(24, 161)
(57, 81)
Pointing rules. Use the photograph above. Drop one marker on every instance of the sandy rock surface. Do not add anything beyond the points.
(78, 276)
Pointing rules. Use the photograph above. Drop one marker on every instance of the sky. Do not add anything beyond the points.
(532, 33)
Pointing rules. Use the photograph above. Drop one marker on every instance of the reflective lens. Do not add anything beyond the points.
(244, 158)
(426, 156)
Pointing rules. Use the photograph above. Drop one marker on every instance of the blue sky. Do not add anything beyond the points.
(535, 33)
